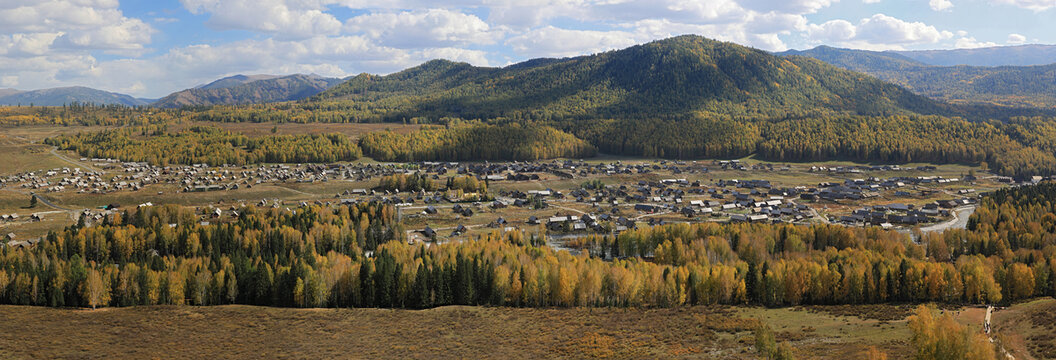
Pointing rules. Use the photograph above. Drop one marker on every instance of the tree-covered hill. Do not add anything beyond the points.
(686, 75)
(249, 90)
(1023, 86)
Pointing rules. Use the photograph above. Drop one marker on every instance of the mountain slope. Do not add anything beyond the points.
(68, 95)
(1004, 85)
(686, 75)
(249, 90)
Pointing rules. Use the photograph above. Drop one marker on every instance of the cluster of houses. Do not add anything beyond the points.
(738, 165)
(14, 243)
(16, 217)
(525, 171)
(858, 169)
(889, 215)
(858, 189)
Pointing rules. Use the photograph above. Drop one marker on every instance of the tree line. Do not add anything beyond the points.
(475, 141)
(208, 145)
(354, 255)
(1019, 147)
(424, 182)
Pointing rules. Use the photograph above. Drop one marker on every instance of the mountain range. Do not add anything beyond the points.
(67, 95)
(232, 90)
(1019, 55)
(1019, 86)
(710, 78)
(255, 89)
(685, 75)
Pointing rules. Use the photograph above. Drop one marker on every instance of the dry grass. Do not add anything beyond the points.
(1026, 329)
(448, 332)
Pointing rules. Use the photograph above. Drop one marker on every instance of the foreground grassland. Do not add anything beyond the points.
(1027, 329)
(446, 332)
(722, 332)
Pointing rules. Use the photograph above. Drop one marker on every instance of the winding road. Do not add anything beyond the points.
(959, 221)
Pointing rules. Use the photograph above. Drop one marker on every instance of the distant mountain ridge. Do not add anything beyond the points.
(1020, 86)
(1019, 55)
(253, 89)
(67, 95)
(235, 80)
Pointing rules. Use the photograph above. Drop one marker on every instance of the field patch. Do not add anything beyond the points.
(446, 332)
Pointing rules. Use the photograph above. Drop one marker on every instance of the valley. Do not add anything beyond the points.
(679, 198)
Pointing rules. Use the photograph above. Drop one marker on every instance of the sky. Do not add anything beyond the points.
(150, 48)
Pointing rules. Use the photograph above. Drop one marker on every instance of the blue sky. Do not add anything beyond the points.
(150, 48)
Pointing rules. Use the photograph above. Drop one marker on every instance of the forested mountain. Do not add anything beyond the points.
(685, 75)
(686, 97)
(67, 95)
(1020, 55)
(249, 90)
(6, 92)
(1004, 85)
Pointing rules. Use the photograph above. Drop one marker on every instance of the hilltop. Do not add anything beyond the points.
(685, 75)
(241, 89)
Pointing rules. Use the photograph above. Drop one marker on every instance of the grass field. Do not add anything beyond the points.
(447, 332)
(1027, 329)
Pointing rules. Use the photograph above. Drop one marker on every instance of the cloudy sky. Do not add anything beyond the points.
(149, 48)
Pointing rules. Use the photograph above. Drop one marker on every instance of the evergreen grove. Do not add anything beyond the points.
(354, 256)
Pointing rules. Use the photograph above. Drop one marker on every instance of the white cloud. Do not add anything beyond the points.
(474, 57)
(833, 31)
(9, 81)
(284, 18)
(654, 29)
(550, 41)
(878, 32)
(883, 29)
(773, 23)
(130, 34)
(21, 45)
(788, 6)
(424, 28)
(57, 15)
(89, 24)
(1035, 5)
(1016, 39)
(972, 43)
(940, 5)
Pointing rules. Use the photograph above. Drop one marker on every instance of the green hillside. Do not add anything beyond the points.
(686, 75)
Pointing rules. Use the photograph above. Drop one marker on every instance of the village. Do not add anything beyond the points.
(579, 197)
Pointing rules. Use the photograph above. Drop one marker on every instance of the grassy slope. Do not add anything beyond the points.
(1027, 329)
(448, 332)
